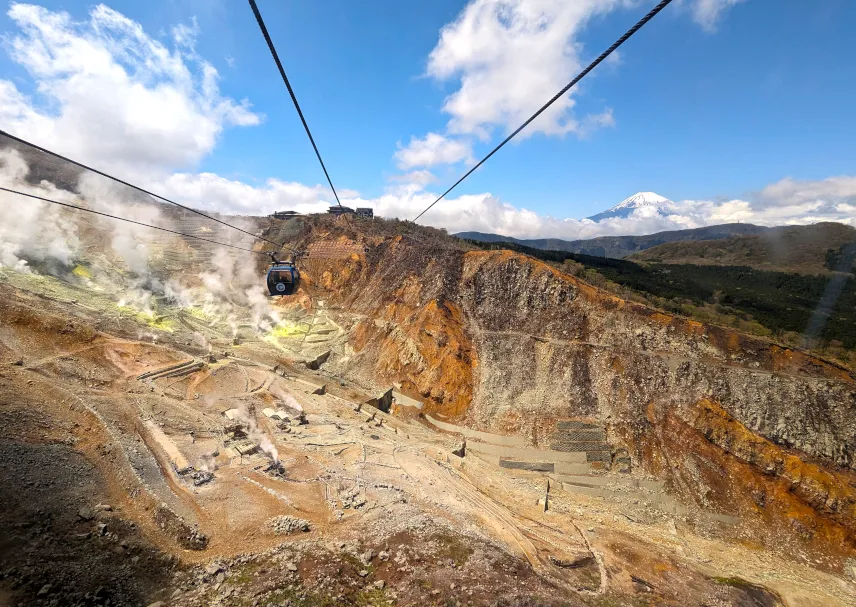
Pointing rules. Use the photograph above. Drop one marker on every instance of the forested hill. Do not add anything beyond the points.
(763, 302)
(814, 249)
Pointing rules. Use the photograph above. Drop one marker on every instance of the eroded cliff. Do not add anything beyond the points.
(504, 343)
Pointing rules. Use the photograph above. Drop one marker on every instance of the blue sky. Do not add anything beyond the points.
(714, 100)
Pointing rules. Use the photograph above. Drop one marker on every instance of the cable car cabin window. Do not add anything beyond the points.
(281, 276)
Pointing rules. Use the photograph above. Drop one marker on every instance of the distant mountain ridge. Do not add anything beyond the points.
(619, 247)
(813, 249)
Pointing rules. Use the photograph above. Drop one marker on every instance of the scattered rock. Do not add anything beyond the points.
(213, 568)
(286, 525)
(576, 563)
(363, 573)
(672, 527)
(621, 461)
(85, 514)
(646, 585)
(156, 604)
(291, 566)
(367, 556)
(319, 360)
(850, 568)
(102, 508)
(44, 590)
(18, 363)
(383, 555)
(379, 584)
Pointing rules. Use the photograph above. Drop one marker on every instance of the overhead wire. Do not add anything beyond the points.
(291, 92)
(564, 90)
(135, 187)
(139, 223)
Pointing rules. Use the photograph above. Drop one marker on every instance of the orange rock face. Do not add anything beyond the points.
(508, 344)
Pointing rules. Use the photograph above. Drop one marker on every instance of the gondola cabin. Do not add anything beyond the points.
(282, 278)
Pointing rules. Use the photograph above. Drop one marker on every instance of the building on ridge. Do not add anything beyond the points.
(284, 214)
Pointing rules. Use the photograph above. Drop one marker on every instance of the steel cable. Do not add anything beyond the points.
(139, 223)
(130, 185)
(567, 87)
(291, 92)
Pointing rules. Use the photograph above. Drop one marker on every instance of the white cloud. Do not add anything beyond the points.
(421, 177)
(432, 150)
(109, 94)
(841, 189)
(185, 35)
(707, 13)
(212, 192)
(510, 57)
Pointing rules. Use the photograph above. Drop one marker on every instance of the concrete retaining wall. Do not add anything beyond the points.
(530, 466)
(569, 468)
(406, 401)
(527, 454)
(494, 439)
(310, 387)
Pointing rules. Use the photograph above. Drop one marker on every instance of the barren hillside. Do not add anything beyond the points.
(420, 423)
(504, 343)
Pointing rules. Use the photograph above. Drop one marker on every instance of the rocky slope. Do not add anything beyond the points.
(504, 343)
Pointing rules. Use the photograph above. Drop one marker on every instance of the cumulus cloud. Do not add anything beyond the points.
(510, 56)
(707, 13)
(419, 178)
(215, 193)
(841, 189)
(112, 95)
(431, 150)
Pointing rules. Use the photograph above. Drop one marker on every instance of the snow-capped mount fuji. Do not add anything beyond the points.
(626, 207)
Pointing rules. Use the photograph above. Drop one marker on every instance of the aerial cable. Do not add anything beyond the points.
(579, 77)
(135, 187)
(139, 223)
(291, 92)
